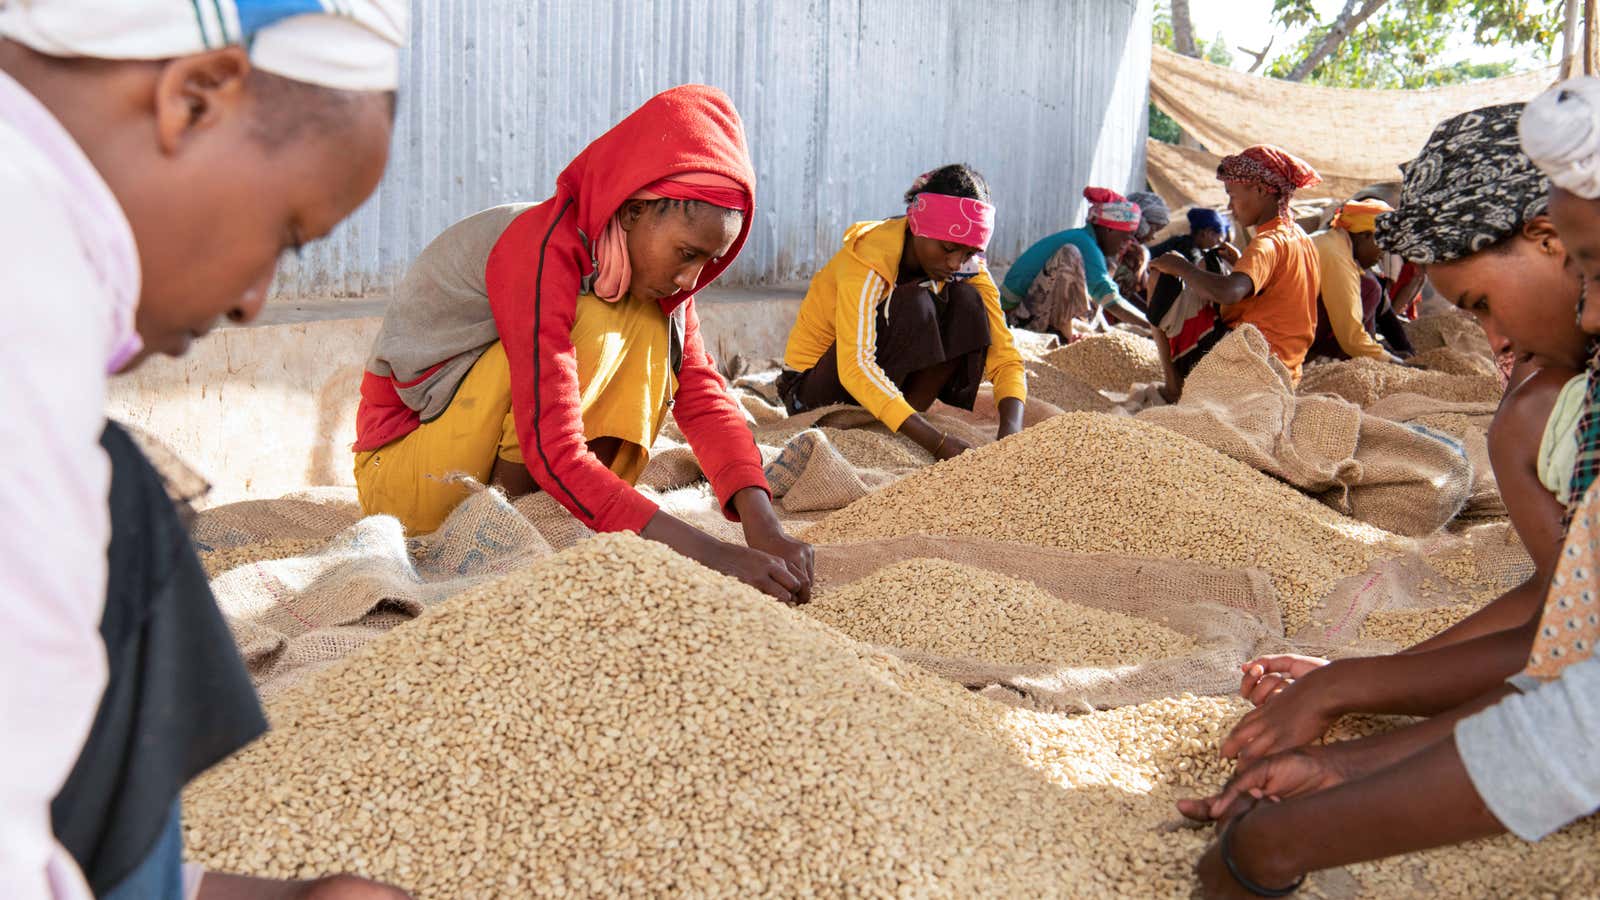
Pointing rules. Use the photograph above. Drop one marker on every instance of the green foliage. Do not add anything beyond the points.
(1162, 128)
(1402, 44)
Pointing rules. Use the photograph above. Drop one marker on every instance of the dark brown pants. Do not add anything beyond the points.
(917, 330)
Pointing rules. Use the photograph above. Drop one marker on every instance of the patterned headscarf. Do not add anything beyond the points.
(1109, 209)
(1561, 133)
(1360, 216)
(1470, 188)
(351, 45)
(1153, 214)
(1274, 168)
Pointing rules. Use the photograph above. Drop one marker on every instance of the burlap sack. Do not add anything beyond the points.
(810, 474)
(291, 615)
(1468, 423)
(1443, 570)
(1239, 400)
(1232, 614)
(671, 465)
(1413, 480)
(253, 521)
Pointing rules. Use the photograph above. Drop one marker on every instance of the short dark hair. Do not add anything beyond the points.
(956, 180)
(286, 109)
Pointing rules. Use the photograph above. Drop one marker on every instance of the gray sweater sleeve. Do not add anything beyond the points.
(1535, 758)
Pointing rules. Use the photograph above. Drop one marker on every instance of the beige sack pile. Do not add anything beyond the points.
(1239, 400)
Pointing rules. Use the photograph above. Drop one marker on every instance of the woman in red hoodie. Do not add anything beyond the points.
(540, 347)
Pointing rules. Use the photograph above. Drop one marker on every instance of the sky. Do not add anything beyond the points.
(1249, 23)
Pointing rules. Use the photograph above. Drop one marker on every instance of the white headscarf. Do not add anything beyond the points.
(1560, 132)
(351, 45)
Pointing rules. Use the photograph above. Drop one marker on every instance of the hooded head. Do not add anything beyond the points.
(673, 162)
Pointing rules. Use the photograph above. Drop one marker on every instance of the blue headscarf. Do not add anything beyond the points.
(1204, 219)
(351, 45)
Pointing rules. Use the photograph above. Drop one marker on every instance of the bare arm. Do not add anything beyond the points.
(1413, 684)
(1212, 287)
(1537, 515)
(1427, 800)
(1173, 388)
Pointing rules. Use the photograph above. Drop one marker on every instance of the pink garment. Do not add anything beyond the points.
(69, 275)
(960, 220)
(612, 271)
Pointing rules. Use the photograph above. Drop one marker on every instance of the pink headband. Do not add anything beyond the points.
(960, 220)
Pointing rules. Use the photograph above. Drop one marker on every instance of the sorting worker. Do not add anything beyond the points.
(1066, 276)
(155, 162)
(1275, 282)
(905, 313)
(1184, 327)
(1351, 299)
(541, 347)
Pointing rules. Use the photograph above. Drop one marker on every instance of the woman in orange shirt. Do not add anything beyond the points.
(1275, 283)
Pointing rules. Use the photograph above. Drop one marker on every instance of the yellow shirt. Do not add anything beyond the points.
(1341, 294)
(842, 304)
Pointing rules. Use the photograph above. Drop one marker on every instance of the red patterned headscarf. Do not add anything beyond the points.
(1109, 209)
(1274, 168)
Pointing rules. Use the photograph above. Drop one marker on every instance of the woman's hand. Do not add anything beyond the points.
(1278, 777)
(1172, 263)
(1298, 714)
(1265, 676)
(951, 447)
(761, 570)
(797, 554)
(763, 532)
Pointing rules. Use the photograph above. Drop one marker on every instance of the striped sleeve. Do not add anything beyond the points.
(858, 293)
(1003, 367)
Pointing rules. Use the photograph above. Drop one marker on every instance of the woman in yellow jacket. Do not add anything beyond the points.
(905, 314)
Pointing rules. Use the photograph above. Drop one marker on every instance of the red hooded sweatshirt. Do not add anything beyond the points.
(534, 276)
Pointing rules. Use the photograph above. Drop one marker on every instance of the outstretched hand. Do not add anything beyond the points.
(1265, 676)
(1299, 713)
(1278, 777)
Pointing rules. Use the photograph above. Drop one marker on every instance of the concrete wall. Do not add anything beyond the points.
(844, 101)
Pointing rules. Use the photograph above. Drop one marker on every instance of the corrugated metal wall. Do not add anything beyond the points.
(844, 102)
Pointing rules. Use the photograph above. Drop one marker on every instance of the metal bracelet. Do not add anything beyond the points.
(1233, 868)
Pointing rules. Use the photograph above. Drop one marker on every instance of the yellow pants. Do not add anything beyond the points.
(626, 383)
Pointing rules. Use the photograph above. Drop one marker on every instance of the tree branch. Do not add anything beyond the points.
(1260, 55)
(1350, 18)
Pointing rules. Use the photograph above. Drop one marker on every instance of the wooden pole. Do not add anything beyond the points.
(1569, 41)
(1589, 10)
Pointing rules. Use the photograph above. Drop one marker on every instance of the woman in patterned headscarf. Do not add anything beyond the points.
(1473, 211)
(1132, 269)
(1067, 275)
(1274, 284)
